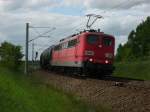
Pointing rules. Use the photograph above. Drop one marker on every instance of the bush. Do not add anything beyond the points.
(10, 55)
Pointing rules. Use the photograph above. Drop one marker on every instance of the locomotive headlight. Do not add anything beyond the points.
(106, 61)
(109, 55)
(89, 53)
(90, 59)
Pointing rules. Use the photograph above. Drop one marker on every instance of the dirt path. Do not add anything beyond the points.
(132, 96)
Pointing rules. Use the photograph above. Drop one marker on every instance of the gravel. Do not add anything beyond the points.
(130, 96)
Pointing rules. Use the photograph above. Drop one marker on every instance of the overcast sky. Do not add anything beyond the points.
(68, 16)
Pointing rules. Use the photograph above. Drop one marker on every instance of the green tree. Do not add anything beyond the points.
(10, 55)
(137, 46)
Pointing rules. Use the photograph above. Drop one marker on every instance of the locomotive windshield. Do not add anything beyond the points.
(107, 41)
(92, 39)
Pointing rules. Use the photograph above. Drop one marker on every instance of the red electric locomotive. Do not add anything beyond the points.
(90, 51)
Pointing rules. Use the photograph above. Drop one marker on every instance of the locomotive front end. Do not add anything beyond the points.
(99, 52)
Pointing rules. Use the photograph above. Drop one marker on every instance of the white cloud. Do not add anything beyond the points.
(106, 4)
(16, 5)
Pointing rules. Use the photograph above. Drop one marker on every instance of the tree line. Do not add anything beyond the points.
(138, 45)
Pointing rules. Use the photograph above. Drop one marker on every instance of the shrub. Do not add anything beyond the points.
(10, 55)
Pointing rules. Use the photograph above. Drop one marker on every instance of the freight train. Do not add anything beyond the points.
(88, 52)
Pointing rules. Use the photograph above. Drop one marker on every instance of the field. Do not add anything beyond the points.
(137, 70)
(19, 93)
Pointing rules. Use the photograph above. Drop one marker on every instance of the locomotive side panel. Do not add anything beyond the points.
(69, 53)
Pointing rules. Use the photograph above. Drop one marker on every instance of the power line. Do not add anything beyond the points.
(36, 31)
(41, 35)
(38, 27)
(41, 44)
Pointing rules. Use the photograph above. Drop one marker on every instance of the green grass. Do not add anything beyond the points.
(137, 70)
(19, 93)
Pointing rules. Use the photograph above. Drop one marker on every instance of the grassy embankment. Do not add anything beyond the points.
(137, 70)
(19, 93)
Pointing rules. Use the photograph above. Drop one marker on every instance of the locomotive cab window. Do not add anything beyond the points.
(72, 43)
(107, 41)
(92, 39)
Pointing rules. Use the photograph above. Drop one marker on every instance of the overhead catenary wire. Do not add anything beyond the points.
(39, 27)
(41, 35)
(36, 31)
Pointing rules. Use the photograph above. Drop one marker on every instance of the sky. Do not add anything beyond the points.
(67, 17)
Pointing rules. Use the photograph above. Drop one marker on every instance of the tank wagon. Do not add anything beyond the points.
(90, 51)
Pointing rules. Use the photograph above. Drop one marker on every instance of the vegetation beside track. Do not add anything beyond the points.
(133, 58)
(19, 93)
(135, 70)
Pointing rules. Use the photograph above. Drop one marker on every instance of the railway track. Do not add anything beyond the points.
(111, 80)
(107, 78)
(121, 79)
(121, 94)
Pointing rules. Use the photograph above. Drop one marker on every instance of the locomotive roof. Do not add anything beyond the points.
(84, 32)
